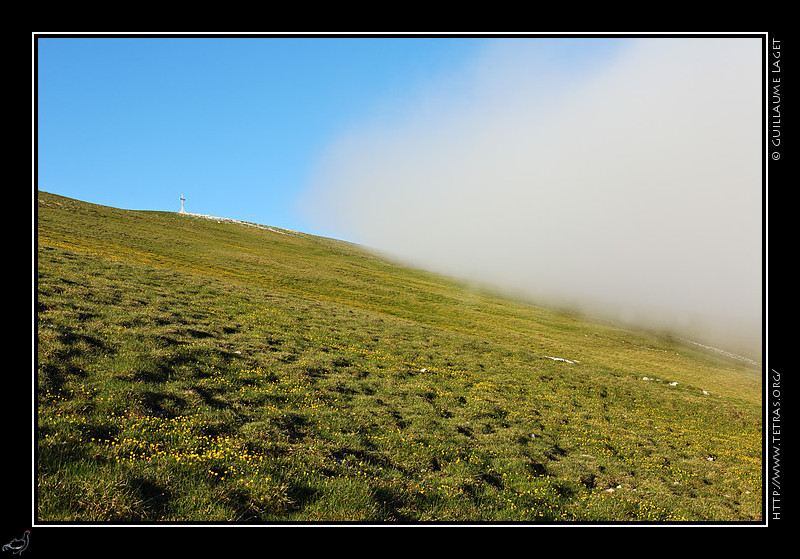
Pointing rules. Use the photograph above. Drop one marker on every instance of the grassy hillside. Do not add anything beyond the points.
(190, 369)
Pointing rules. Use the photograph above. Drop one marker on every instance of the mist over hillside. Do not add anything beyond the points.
(633, 192)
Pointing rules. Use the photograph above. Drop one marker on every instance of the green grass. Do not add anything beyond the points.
(189, 370)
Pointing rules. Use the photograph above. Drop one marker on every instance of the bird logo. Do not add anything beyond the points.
(18, 545)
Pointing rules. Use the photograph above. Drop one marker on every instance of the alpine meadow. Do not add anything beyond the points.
(196, 369)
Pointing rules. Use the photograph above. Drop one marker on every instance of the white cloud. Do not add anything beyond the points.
(629, 184)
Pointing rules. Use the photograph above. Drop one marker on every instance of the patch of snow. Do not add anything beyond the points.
(560, 359)
(723, 352)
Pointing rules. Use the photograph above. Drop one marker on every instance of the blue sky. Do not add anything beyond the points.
(616, 176)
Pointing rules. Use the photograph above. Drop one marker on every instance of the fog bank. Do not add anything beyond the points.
(623, 180)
